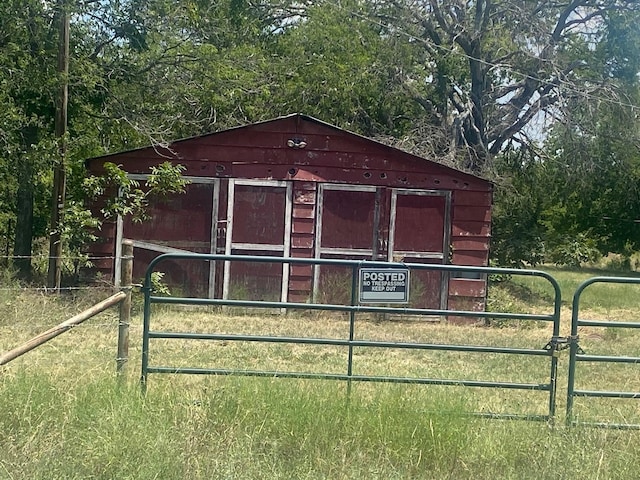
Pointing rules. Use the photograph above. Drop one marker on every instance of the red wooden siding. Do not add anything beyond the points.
(103, 250)
(441, 215)
(467, 287)
(303, 234)
(470, 237)
(471, 228)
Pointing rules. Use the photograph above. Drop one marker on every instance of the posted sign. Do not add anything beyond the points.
(384, 285)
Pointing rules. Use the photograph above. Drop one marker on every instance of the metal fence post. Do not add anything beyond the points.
(125, 306)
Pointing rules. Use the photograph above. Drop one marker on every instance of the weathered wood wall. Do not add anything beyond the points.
(309, 153)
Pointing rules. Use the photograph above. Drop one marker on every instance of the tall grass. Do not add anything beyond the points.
(237, 428)
(599, 297)
(65, 415)
(275, 429)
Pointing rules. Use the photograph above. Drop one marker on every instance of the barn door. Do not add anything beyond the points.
(347, 224)
(419, 226)
(183, 223)
(258, 223)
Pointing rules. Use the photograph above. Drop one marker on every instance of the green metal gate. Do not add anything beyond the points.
(355, 311)
(578, 356)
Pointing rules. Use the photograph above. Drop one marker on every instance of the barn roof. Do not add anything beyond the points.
(292, 124)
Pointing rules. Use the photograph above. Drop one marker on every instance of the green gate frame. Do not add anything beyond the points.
(550, 350)
(577, 355)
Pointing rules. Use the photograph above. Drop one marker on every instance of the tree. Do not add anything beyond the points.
(597, 159)
(27, 56)
(589, 169)
(463, 82)
(518, 234)
(141, 72)
(499, 66)
(343, 68)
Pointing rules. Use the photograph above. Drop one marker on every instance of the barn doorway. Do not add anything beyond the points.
(347, 224)
(419, 232)
(258, 223)
(360, 222)
(187, 223)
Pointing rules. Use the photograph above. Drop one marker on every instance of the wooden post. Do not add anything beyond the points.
(125, 306)
(54, 274)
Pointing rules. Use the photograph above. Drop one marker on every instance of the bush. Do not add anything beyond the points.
(573, 251)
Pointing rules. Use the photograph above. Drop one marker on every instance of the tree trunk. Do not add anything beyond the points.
(23, 240)
(474, 128)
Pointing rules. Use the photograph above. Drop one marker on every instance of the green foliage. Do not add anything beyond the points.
(79, 228)
(158, 286)
(124, 196)
(594, 188)
(576, 202)
(574, 250)
(501, 299)
(459, 80)
(341, 67)
(166, 179)
(618, 263)
(519, 199)
(335, 287)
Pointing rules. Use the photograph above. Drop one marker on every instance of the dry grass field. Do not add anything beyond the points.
(65, 414)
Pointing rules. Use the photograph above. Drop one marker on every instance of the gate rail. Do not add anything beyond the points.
(576, 354)
(550, 350)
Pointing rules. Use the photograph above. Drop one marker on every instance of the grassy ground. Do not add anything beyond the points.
(64, 414)
(280, 429)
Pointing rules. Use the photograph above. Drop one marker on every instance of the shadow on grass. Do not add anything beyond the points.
(527, 294)
(591, 272)
(524, 292)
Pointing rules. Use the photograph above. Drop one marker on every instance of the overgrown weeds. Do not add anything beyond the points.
(65, 415)
(238, 428)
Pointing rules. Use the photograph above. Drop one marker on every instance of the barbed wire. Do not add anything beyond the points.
(44, 256)
(112, 324)
(104, 287)
(100, 284)
(37, 327)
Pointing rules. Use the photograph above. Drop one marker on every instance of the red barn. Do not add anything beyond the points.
(299, 187)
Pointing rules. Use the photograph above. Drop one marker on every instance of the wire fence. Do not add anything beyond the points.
(11, 279)
(44, 256)
(29, 309)
(51, 290)
(32, 313)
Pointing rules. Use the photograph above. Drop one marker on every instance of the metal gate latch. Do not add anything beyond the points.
(556, 344)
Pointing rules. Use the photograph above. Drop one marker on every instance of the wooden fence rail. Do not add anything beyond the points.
(61, 328)
(123, 298)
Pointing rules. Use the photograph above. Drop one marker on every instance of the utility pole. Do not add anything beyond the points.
(54, 272)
